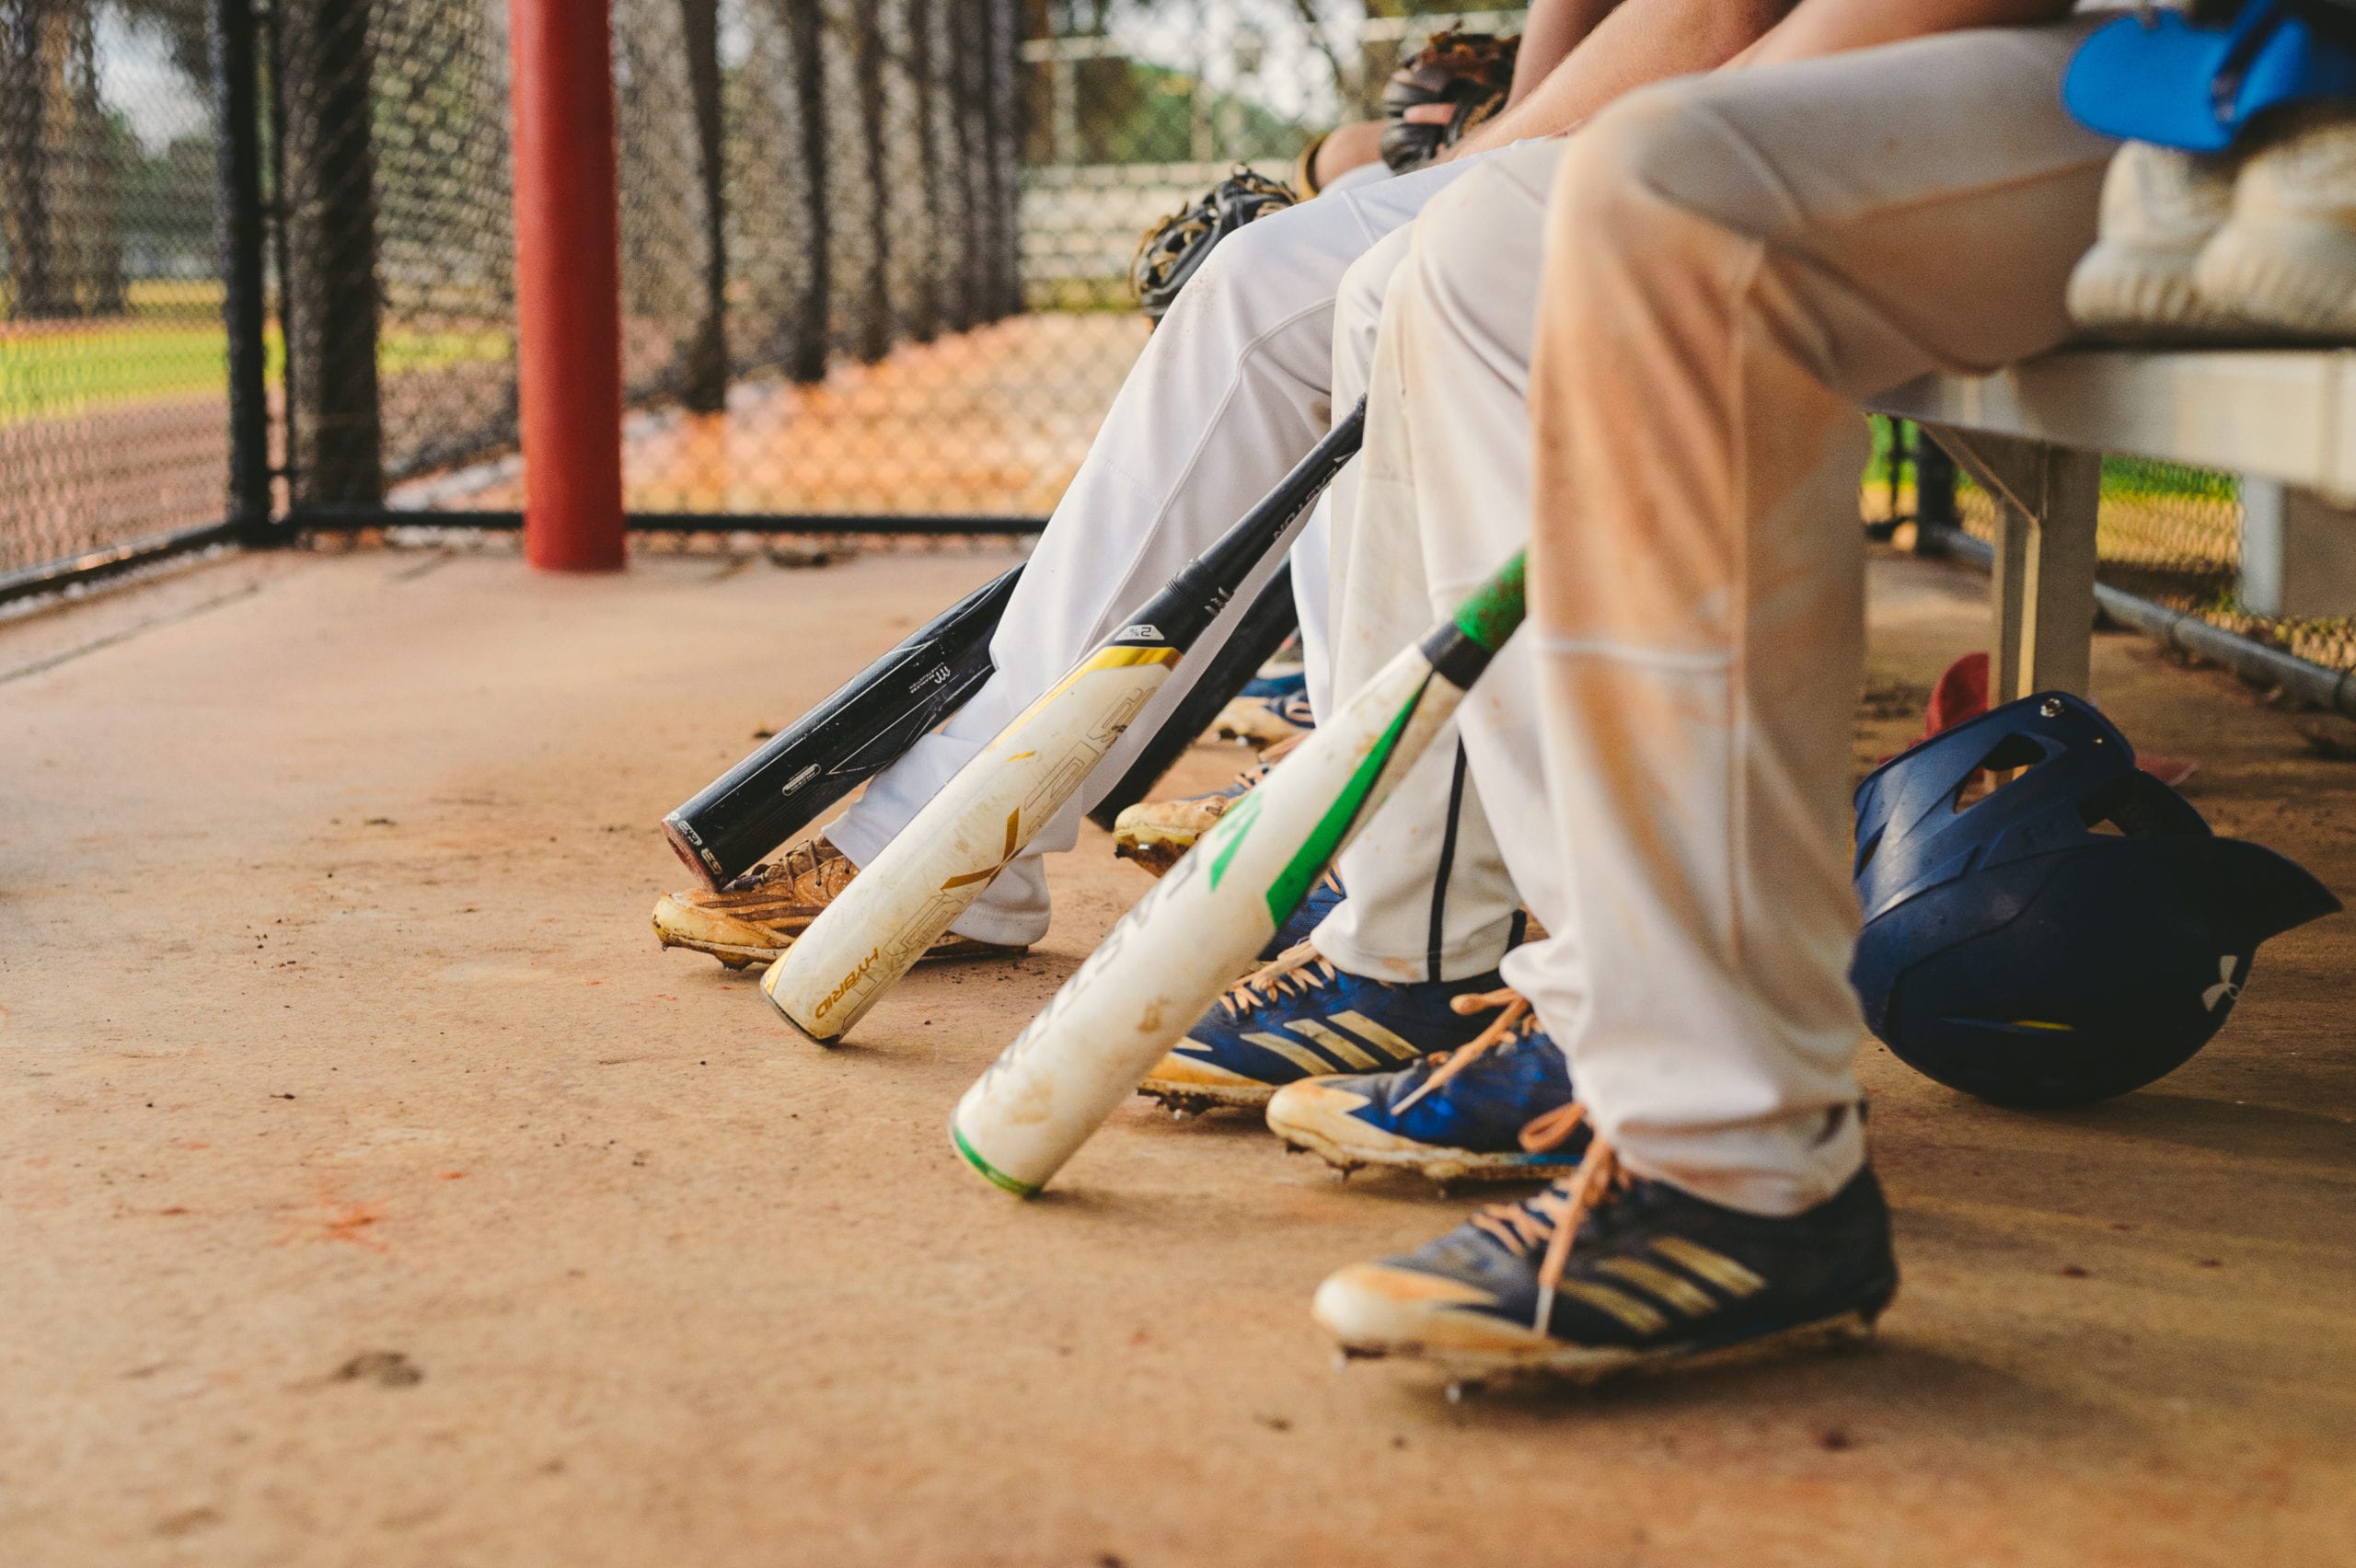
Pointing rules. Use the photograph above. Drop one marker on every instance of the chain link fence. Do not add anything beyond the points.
(820, 231)
(874, 257)
(113, 358)
(2173, 534)
(874, 252)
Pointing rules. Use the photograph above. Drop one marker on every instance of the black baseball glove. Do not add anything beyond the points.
(1173, 249)
(1469, 73)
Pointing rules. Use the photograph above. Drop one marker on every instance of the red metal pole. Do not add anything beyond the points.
(567, 283)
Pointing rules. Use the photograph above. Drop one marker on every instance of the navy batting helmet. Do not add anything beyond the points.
(2074, 934)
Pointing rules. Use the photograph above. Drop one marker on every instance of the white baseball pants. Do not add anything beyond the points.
(1229, 393)
(1729, 262)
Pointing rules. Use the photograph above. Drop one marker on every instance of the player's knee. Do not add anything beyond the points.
(1656, 158)
(1259, 273)
(1469, 241)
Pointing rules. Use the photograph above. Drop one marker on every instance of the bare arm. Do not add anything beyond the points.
(1639, 41)
(1550, 32)
(1829, 27)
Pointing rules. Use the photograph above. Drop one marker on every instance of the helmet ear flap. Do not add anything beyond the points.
(2261, 892)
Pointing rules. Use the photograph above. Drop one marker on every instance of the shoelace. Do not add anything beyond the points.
(1514, 1023)
(1553, 1218)
(1297, 971)
(1271, 756)
(1330, 881)
(798, 860)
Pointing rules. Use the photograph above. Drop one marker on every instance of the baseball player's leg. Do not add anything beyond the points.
(1698, 585)
(1443, 499)
(1731, 261)
(1440, 499)
(1230, 391)
(1430, 908)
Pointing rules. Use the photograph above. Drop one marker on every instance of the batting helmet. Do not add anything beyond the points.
(2076, 932)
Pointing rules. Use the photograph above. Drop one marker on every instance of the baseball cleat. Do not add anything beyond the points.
(1323, 899)
(1498, 1108)
(1265, 721)
(758, 915)
(2160, 208)
(1155, 832)
(1301, 1018)
(1274, 682)
(2286, 261)
(1607, 1271)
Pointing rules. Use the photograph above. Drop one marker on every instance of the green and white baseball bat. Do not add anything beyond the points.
(902, 901)
(1183, 944)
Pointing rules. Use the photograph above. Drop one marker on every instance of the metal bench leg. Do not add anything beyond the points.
(2043, 587)
(2057, 627)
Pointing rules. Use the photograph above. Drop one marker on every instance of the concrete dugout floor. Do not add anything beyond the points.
(372, 1190)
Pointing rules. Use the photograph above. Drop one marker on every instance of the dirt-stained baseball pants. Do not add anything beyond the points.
(1694, 292)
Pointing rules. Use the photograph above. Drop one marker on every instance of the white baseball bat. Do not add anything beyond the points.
(902, 901)
(1172, 954)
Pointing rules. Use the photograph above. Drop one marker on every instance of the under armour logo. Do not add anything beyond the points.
(2225, 990)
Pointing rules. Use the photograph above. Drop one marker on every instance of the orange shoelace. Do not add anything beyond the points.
(1514, 1021)
(1554, 1218)
(1297, 971)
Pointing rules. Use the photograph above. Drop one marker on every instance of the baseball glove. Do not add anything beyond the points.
(1173, 249)
(1469, 73)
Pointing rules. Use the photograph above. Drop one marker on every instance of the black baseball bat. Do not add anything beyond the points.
(869, 723)
(1261, 631)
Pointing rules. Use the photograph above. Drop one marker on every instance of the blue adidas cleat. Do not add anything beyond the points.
(1497, 1109)
(1607, 1271)
(1271, 689)
(1323, 900)
(1301, 1018)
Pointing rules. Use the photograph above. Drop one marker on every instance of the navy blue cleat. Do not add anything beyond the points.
(1271, 689)
(1301, 1018)
(1607, 1271)
(1498, 1108)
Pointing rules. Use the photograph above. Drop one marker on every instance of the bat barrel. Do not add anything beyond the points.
(683, 844)
(1200, 927)
(865, 725)
(1170, 956)
(931, 871)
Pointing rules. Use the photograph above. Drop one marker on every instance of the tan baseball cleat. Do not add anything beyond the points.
(1264, 721)
(1155, 832)
(758, 915)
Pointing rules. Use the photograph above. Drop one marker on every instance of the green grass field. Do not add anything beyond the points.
(171, 345)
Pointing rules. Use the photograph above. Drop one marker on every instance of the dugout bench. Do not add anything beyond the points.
(2033, 436)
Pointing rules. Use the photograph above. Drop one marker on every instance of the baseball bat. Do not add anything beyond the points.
(1258, 635)
(1180, 946)
(901, 902)
(869, 722)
